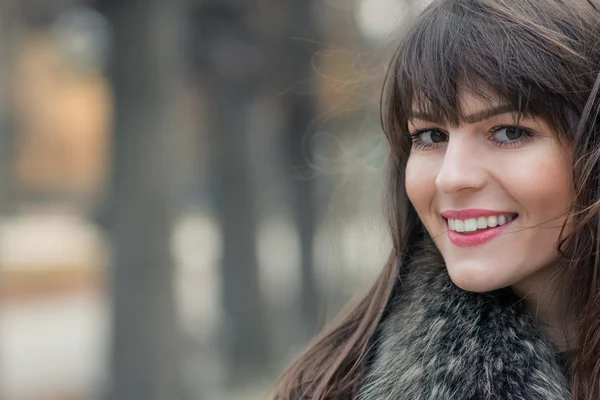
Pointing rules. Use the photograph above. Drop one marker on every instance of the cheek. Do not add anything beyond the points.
(541, 186)
(420, 184)
(544, 186)
(411, 183)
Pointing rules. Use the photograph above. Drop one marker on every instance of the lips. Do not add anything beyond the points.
(473, 213)
(474, 227)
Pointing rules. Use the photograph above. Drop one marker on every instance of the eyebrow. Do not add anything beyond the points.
(470, 119)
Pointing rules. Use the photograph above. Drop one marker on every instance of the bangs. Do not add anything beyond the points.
(466, 45)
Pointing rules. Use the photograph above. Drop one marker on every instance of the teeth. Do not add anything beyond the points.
(481, 223)
(470, 225)
(473, 224)
(459, 226)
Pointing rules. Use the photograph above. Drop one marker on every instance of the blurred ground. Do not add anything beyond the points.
(55, 315)
(67, 358)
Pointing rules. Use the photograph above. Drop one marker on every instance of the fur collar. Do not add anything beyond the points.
(441, 342)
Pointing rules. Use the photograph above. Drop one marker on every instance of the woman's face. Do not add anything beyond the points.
(493, 193)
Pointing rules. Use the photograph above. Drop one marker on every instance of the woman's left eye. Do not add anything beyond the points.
(508, 134)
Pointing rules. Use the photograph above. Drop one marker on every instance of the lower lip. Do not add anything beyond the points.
(477, 238)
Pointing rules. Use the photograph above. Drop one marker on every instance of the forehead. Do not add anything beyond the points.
(468, 98)
(470, 105)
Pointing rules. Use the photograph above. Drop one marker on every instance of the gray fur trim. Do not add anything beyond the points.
(441, 342)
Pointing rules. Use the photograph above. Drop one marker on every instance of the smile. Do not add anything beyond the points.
(477, 224)
(471, 228)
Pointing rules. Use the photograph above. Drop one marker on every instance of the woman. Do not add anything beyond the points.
(492, 290)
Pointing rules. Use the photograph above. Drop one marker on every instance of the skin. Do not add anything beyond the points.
(479, 164)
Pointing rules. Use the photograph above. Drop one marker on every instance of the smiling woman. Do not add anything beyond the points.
(492, 290)
(495, 181)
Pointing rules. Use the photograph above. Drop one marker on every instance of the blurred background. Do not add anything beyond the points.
(189, 189)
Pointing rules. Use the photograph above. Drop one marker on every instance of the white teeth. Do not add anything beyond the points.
(470, 225)
(473, 224)
(481, 223)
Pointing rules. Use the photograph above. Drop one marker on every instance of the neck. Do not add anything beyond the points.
(546, 302)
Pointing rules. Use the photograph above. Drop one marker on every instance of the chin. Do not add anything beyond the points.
(475, 279)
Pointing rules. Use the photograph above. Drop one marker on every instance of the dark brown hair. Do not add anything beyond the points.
(543, 56)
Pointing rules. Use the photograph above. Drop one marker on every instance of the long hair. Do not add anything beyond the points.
(543, 57)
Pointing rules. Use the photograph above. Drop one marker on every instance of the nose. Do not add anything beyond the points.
(462, 168)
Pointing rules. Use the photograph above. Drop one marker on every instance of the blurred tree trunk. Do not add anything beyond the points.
(228, 63)
(299, 47)
(145, 355)
(10, 37)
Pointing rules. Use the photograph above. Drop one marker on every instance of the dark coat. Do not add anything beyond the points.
(438, 341)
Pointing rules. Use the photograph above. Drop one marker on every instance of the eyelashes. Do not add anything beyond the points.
(505, 136)
(428, 138)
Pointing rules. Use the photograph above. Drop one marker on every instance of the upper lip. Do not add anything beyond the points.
(472, 213)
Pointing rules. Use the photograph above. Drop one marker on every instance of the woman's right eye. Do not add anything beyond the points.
(428, 138)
